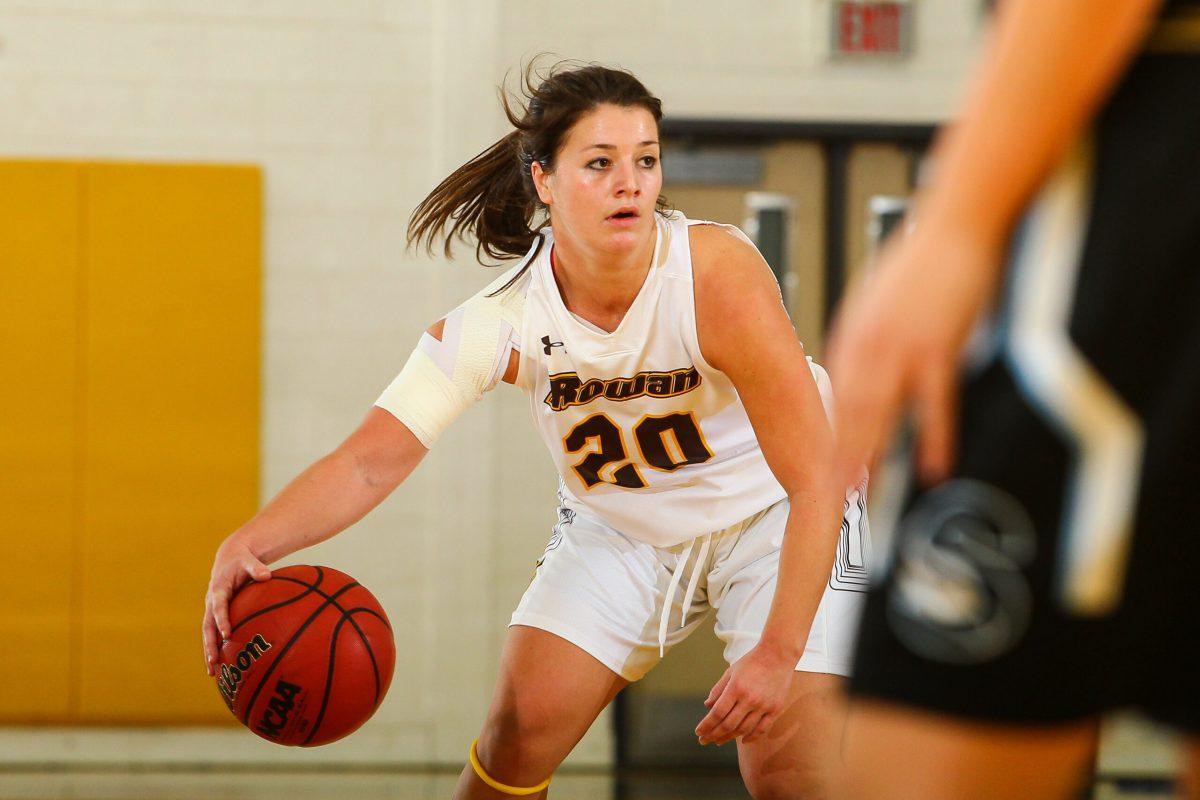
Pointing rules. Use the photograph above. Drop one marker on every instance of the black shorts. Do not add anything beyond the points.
(1057, 574)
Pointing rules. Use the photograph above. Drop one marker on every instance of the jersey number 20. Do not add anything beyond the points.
(665, 443)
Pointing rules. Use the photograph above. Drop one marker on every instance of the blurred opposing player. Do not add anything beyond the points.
(1045, 571)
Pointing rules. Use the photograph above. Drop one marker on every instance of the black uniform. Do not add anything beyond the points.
(1058, 573)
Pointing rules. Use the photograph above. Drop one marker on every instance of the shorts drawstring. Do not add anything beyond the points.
(693, 582)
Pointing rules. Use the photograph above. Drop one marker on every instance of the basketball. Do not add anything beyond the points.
(309, 658)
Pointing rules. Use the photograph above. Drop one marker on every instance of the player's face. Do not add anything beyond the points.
(606, 179)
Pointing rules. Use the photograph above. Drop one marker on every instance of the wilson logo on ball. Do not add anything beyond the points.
(275, 716)
(231, 676)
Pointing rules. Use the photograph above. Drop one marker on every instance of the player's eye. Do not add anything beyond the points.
(599, 163)
(649, 161)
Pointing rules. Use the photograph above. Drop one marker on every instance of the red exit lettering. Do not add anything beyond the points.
(869, 27)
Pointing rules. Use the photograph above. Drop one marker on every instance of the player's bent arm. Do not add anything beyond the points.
(441, 380)
(745, 332)
(455, 363)
(326, 498)
(336, 491)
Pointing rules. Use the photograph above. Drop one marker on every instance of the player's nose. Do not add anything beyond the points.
(626, 181)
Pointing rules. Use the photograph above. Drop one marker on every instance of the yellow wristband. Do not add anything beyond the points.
(515, 791)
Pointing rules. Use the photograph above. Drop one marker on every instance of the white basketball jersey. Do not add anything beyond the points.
(644, 432)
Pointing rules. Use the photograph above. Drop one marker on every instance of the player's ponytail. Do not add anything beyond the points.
(485, 199)
(491, 198)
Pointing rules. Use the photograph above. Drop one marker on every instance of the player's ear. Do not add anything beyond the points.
(543, 182)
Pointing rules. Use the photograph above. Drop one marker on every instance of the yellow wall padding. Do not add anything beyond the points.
(38, 431)
(165, 338)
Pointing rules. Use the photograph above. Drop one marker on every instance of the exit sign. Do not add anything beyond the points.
(863, 28)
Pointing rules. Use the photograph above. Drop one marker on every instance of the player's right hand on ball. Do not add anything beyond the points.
(234, 565)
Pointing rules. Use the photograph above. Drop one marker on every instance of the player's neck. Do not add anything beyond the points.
(598, 286)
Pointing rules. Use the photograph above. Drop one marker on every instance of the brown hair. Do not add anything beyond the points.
(492, 196)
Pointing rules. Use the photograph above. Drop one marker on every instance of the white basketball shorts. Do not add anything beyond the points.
(606, 592)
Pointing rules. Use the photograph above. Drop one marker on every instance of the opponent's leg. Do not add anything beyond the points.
(801, 755)
(1189, 780)
(902, 753)
(547, 695)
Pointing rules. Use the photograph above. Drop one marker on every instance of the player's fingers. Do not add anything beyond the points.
(761, 728)
(936, 412)
(220, 608)
(256, 570)
(748, 725)
(211, 646)
(728, 728)
(718, 687)
(720, 709)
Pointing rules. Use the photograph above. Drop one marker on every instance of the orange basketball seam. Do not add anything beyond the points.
(283, 651)
(280, 604)
(332, 598)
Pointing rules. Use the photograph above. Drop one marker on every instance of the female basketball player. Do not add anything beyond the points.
(1046, 572)
(687, 426)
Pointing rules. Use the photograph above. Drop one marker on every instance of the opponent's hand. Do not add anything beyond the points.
(897, 342)
(748, 699)
(233, 566)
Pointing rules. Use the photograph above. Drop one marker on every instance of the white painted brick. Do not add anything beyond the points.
(295, 13)
(196, 115)
(313, 13)
(337, 118)
(405, 15)
(363, 312)
(77, 8)
(316, 58)
(341, 183)
(714, 62)
(399, 116)
(92, 48)
(14, 116)
(331, 243)
(100, 113)
(341, 305)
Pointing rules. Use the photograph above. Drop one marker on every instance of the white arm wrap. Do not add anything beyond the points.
(423, 398)
(443, 378)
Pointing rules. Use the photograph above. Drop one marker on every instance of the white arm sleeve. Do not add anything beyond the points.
(443, 378)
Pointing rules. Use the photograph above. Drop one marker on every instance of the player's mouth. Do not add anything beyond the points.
(626, 216)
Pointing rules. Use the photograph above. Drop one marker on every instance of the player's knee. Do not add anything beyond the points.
(518, 748)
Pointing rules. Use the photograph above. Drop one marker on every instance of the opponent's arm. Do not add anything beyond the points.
(745, 332)
(1047, 66)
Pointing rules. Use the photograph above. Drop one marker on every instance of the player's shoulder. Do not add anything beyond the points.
(706, 238)
(723, 257)
(504, 297)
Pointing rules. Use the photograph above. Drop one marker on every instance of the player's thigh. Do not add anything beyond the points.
(548, 693)
(800, 756)
(901, 753)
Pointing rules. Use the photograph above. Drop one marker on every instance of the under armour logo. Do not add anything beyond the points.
(547, 344)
